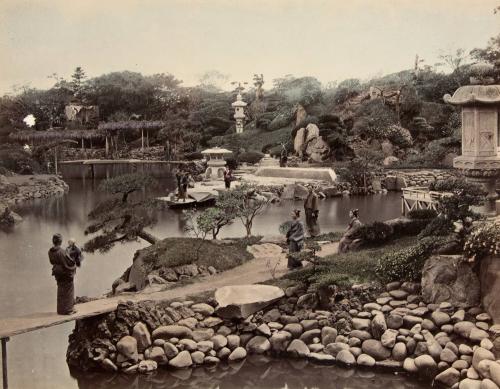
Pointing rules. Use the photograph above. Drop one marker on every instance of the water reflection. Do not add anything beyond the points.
(255, 372)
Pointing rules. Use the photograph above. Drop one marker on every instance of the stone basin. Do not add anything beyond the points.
(240, 301)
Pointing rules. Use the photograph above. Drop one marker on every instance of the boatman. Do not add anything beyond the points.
(63, 270)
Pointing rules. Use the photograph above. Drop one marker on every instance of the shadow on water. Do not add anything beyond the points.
(255, 372)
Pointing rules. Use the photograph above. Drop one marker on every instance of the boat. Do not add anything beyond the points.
(192, 199)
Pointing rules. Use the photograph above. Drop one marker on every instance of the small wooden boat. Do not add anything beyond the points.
(192, 199)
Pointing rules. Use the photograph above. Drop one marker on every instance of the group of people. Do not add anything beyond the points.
(297, 231)
(64, 263)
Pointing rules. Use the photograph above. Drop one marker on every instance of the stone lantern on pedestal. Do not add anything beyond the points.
(216, 162)
(239, 113)
(480, 159)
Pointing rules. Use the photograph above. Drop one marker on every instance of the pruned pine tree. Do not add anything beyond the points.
(246, 204)
(121, 219)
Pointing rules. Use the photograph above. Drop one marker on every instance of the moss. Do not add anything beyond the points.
(172, 252)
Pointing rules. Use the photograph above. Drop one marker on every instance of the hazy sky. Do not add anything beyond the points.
(331, 40)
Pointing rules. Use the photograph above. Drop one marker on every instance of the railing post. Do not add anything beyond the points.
(4, 363)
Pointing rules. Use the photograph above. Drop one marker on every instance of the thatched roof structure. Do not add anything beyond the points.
(132, 125)
(51, 135)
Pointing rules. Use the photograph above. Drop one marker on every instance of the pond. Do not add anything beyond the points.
(37, 360)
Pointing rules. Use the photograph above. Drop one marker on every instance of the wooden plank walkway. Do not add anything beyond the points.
(255, 271)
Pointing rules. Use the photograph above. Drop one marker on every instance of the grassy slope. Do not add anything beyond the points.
(255, 140)
(348, 268)
(182, 251)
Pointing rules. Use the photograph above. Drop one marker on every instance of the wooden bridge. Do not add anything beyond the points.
(420, 197)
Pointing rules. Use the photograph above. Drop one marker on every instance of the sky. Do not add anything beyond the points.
(328, 39)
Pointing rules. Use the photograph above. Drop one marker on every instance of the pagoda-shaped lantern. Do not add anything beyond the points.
(216, 162)
(239, 113)
(480, 159)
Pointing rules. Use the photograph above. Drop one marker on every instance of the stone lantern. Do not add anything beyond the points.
(216, 162)
(480, 159)
(239, 113)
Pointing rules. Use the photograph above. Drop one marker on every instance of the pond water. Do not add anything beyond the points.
(37, 360)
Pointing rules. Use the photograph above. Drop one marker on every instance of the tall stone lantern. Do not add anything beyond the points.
(239, 113)
(480, 159)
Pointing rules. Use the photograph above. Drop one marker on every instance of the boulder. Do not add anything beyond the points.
(426, 365)
(280, 341)
(127, 346)
(346, 357)
(183, 359)
(202, 308)
(298, 349)
(365, 360)
(447, 278)
(490, 285)
(469, 384)
(449, 377)
(258, 345)
(375, 349)
(495, 373)
(242, 300)
(388, 338)
(172, 331)
(481, 354)
(141, 334)
(147, 366)
(378, 325)
(488, 384)
(237, 354)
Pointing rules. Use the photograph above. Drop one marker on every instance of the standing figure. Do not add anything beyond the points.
(295, 239)
(283, 156)
(63, 269)
(178, 178)
(312, 212)
(184, 186)
(348, 237)
(228, 177)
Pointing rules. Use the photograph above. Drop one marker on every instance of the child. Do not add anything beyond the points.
(74, 252)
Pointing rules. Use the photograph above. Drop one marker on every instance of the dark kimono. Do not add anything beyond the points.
(295, 240)
(63, 269)
(311, 211)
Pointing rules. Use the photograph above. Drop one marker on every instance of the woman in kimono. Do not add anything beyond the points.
(295, 239)
(348, 237)
(63, 269)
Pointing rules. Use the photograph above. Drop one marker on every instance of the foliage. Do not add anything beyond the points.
(406, 264)
(118, 219)
(251, 157)
(17, 160)
(422, 214)
(303, 90)
(483, 240)
(351, 267)
(245, 203)
(490, 54)
(362, 168)
(375, 233)
(172, 252)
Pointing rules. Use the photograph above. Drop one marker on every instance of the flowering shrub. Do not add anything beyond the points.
(484, 240)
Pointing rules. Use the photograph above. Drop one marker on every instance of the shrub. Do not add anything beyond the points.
(15, 159)
(408, 227)
(374, 233)
(251, 157)
(484, 240)
(406, 264)
(193, 156)
(422, 214)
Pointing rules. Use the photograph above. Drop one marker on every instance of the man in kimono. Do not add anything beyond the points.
(312, 211)
(63, 269)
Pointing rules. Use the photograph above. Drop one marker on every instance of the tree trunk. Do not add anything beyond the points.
(248, 226)
(148, 237)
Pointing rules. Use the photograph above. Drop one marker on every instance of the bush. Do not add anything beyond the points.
(422, 214)
(406, 264)
(408, 227)
(251, 157)
(15, 159)
(484, 240)
(193, 156)
(374, 233)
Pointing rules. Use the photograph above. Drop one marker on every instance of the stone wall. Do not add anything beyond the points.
(395, 180)
(17, 189)
(490, 286)
(358, 326)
